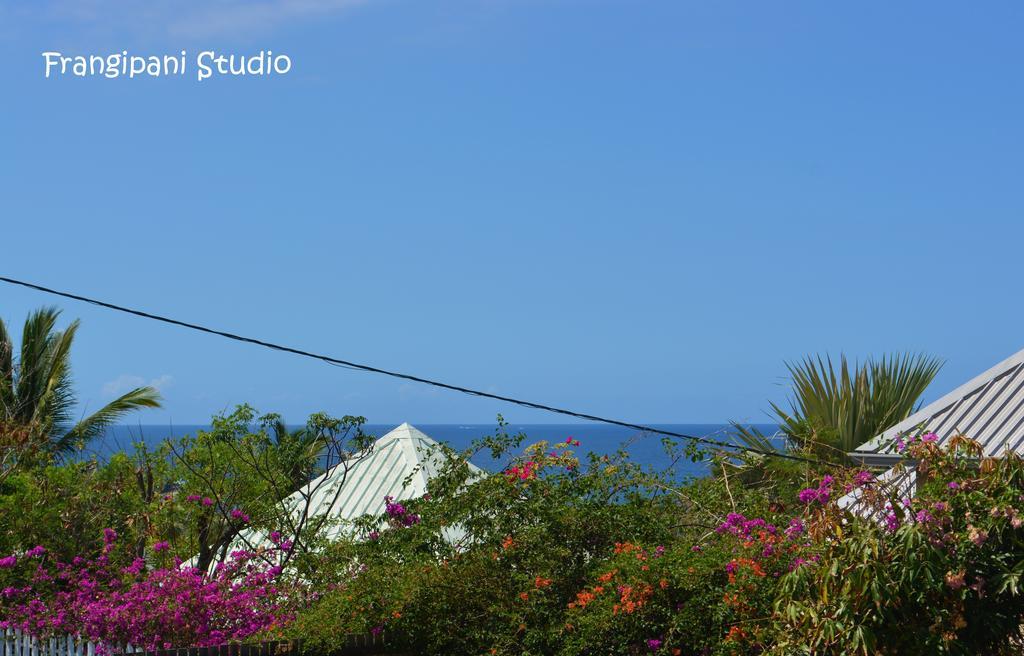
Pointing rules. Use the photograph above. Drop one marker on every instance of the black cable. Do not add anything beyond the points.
(416, 379)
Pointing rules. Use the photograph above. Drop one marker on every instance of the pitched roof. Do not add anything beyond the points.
(397, 465)
(989, 409)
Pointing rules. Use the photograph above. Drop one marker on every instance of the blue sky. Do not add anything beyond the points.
(635, 208)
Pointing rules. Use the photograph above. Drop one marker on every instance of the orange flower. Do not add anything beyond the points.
(607, 576)
(508, 542)
(626, 547)
(631, 598)
(541, 582)
(524, 596)
(736, 633)
(582, 599)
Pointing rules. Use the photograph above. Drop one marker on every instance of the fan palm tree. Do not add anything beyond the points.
(37, 398)
(835, 411)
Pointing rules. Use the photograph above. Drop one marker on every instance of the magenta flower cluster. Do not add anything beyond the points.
(928, 438)
(737, 524)
(819, 494)
(159, 608)
(398, 513)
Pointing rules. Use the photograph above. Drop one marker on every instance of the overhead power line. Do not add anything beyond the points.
(415, 379)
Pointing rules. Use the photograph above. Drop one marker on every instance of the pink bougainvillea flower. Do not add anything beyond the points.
(151, 608)
(862, 478)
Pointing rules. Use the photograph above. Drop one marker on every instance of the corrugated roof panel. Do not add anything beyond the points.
(1015, 435)
(405, 452)
(995, 419)
(988, 409)
(386, 481)
(897, 482)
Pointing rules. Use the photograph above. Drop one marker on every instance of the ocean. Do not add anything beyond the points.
(644, 448)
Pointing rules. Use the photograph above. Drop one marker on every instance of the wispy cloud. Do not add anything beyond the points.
(190, 20)
(239, 17)
(127, 382)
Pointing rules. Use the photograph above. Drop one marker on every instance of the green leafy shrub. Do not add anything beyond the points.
(568, 556)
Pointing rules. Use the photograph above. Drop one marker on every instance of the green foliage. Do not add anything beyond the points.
(202, 494)
(936, 573)
(567, 555)
(64, 506)
(494, 562)
(234, 480)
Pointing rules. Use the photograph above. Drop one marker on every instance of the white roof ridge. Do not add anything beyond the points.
(406, 431)
(944, 402)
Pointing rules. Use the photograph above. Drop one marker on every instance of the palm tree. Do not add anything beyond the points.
(833, 412)
(298, 450)
(37, 398)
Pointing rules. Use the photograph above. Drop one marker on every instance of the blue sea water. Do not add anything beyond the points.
(644, 448)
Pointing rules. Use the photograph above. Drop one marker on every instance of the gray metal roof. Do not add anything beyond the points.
(988, 409)
(897, 482)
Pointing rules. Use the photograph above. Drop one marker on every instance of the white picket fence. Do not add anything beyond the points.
(17, 643)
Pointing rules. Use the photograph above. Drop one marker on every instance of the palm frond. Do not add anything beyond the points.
(95, 424)
(842, 408)
(34, 362)
(37, 395)
(754, 439)
(7, 397)
(56, 398)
